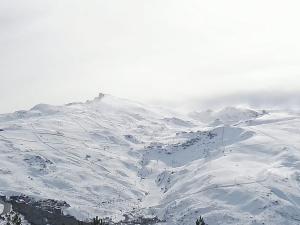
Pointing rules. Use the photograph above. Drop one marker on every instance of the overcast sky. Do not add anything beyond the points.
(58, 51)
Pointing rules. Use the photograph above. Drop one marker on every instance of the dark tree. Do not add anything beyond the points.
(97, 221)
(16, 219)
(200, 221)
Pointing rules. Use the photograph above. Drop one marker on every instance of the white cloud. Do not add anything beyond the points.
(59, 51)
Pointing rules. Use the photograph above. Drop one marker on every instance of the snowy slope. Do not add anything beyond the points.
(111, 157)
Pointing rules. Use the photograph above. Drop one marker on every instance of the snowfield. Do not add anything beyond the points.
(111, 156)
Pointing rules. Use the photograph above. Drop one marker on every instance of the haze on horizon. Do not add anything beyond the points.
(168, 52)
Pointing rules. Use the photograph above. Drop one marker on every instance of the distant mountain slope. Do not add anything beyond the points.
(111, 156)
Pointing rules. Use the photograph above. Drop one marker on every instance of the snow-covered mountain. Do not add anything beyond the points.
(111, 157)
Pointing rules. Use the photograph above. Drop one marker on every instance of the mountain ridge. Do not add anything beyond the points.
(110, 157)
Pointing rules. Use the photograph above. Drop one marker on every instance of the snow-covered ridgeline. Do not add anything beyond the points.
(111, 156)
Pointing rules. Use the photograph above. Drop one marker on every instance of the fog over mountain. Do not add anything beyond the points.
(258, 99)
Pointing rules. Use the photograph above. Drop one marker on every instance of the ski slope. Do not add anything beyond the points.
(111, 157)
